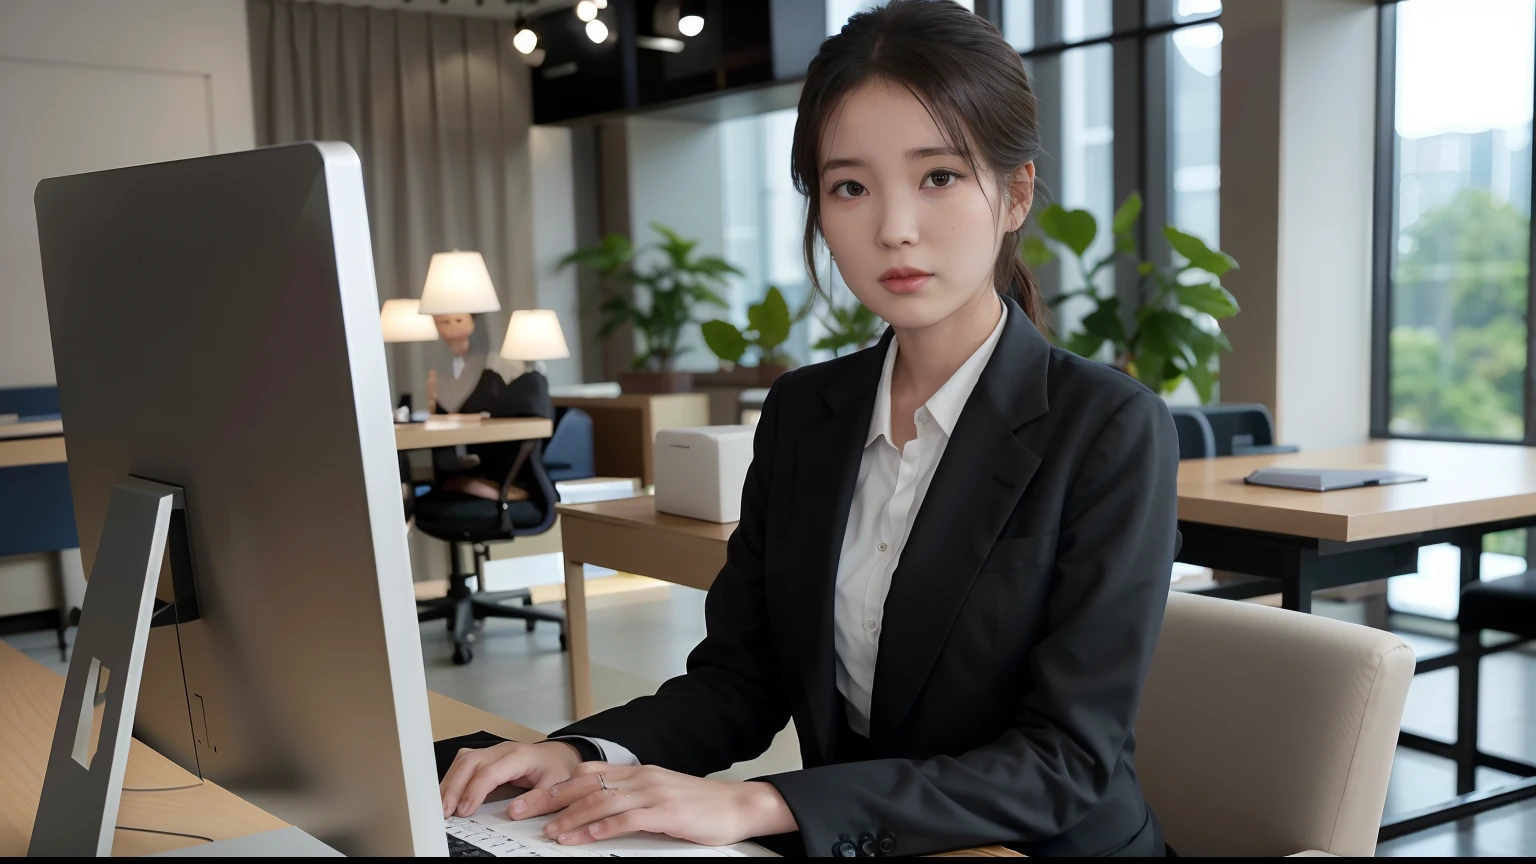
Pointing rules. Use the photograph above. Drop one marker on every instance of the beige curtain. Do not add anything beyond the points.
(438, 108)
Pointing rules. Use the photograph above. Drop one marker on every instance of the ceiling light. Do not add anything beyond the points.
(586, 10)
(525, 40)
(690, 21)
(597, 31)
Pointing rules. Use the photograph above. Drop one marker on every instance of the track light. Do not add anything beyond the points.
(525, 40)
(690, 20)
(597, 31)
(586, 10)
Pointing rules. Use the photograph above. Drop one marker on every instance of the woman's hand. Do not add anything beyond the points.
(603, 801)
(475, 773)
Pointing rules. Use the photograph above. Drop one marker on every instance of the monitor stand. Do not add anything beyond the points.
(81, 791)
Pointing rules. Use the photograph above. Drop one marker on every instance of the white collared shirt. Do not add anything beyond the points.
(890, 491)
(891, 487)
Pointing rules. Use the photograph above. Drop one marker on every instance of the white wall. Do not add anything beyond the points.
(92, 84)
(87, 85)
(674, 179)
(554, 237)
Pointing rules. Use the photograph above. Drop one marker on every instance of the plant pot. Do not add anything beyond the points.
(656, 382)
(767, 373)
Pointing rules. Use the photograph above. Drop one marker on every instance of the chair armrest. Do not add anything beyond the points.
(1265, 449)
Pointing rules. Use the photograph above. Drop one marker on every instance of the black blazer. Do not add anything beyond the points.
(1018, 628)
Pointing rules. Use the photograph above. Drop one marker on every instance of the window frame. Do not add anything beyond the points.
(1383, 240)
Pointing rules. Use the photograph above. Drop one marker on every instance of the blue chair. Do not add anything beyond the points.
(1196, 440)
(570, 453)
(37, 512)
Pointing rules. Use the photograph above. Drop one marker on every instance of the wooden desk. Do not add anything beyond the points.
(623, 427)
(32, 429)
(15, 452)
(29, 706)
(445, 433)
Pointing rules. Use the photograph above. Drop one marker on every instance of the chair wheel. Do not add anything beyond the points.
(530, 625)
(462, 656)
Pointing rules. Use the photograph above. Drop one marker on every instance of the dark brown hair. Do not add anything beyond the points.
(968, 77)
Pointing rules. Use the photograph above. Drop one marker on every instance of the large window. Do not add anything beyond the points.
(1454, 187)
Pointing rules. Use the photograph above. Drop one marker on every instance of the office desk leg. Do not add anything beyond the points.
(1298, 582)
(576, 639)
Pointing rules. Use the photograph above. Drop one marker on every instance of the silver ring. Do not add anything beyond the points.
(603, 783)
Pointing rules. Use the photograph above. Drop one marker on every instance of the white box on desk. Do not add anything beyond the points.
(700, 471)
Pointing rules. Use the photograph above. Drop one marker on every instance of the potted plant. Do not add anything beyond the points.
(768, 325)
(1172, 334)
(849, 327)
(659, 303)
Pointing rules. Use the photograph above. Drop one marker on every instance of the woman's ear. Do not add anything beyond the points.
(1021, 195)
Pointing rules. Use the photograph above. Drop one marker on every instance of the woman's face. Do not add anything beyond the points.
(913, 231)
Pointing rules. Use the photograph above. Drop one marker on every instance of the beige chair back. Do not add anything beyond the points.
(1267, 732)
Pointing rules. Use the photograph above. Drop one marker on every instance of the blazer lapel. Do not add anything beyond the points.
(977, 485)
(827, 470)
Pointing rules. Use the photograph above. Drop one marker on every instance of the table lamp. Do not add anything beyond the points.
(402, 321)
(534, 335)
(458, 284)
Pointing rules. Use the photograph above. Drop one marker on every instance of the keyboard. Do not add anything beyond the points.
(458, 848)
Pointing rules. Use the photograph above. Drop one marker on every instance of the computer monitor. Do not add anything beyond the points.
(216, 327)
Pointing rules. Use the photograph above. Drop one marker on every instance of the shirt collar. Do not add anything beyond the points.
(947, 403)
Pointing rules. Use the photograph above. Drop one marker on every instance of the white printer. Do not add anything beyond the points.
(700, 471)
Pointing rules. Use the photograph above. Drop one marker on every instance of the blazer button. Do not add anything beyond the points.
(844, 848)
(867, 845)
(887, 842)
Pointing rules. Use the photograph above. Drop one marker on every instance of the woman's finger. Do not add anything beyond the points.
(599, 805)
(516, 764)
(538, 802)
(643, 819)
(452, 787)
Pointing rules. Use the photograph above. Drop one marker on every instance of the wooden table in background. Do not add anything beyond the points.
(623, 427)
(447, 433)
(29, 708)
(1309, 541)
(35, 443)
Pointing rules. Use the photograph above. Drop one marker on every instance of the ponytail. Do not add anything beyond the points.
(1011, 277)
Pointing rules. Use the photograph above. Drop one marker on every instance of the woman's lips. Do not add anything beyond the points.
(904, 280)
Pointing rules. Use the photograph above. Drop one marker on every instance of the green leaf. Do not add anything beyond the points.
(1204, 380)
(1210, 298)
(1074, 229)
(1125, 243)
(1126, 216)
(1200, 256)
(1145, 268)
(724, 340)
(1036, 253)
(1084, 344)
(770, 319)
(1104, 323)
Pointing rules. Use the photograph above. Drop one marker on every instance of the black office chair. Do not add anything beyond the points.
(1196, 440)
(1243, 430)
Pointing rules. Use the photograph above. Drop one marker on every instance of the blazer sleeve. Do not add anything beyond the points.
(1040, 778)
(731, 702)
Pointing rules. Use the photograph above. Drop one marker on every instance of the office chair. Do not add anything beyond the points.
(37, 512)
(571, 452)
(1196, 440)
(458, 518)
(1243, 430)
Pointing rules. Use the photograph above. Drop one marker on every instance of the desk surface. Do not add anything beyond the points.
(445, 433)
(29, 705)
(15, 452)
(1468, 484)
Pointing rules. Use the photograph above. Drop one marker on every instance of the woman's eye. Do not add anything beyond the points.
(941, 179)
(848, 189)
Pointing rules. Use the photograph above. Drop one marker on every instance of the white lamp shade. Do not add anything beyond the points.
(402, 321)
(534, 334)
(458, 283)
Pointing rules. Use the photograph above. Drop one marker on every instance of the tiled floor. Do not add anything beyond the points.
(640, 639)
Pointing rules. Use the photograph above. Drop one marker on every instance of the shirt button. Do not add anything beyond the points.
(923, 416)
(882, 547)
(871, 625)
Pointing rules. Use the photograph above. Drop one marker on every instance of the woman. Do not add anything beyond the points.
(954, 547)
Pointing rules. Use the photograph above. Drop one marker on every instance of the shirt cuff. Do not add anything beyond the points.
(607, 751)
